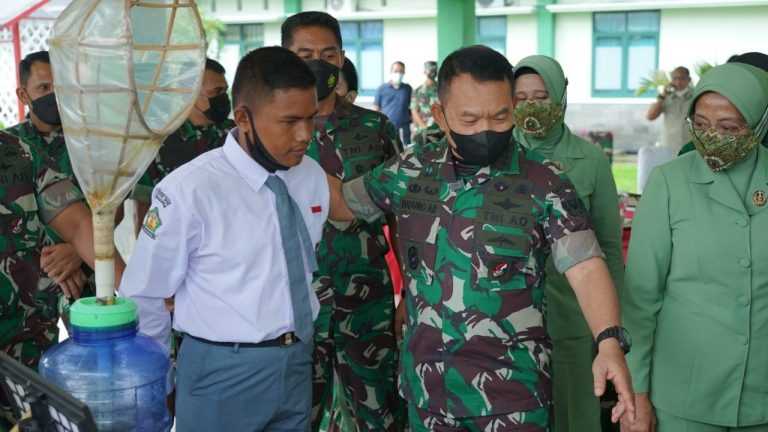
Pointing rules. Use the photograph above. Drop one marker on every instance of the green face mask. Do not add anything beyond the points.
(721, 151)
(537, 118)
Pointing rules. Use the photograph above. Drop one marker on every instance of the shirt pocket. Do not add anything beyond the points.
(417, 246)
(361, 152)
(501, 253)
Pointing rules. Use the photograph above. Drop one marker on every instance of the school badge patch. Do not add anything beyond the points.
(152, 223)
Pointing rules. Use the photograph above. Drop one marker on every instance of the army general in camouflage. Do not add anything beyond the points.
(34, 194)
(205, 129)
(354, 332)
(478, 217)
(42, 131)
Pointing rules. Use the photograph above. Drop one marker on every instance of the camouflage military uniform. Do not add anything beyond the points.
(423, 98)
(32, 193)
(187, 143)
(55, 148)
(476, 351)
(354, 333)
(429, 135)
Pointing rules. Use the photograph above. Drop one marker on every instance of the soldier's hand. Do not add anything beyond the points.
(611, 365)
(73, 285)
(60, 261)
(400, 319)
(645, 420)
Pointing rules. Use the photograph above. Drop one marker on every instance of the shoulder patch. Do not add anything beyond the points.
(152, 223)
(162, 198)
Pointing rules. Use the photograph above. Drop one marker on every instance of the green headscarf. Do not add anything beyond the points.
(554, 79)
(745, 86)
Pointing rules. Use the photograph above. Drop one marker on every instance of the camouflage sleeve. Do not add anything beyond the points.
(373, 195)
(567, 226)
(415, 98)
(54, 190)
(143, 190)
(390, 139)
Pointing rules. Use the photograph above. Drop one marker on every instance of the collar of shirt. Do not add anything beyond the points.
(342, 111)
(507, 164)
(30, 132)
(250, 170)
(187, 130)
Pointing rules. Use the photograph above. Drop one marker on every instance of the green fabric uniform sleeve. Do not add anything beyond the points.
(373, 195)
(648, 264)
(606, 221)
(143, 190)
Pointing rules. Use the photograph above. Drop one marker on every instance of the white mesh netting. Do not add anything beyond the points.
(34, 34)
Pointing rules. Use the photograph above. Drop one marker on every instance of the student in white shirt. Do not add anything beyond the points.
(231, 235)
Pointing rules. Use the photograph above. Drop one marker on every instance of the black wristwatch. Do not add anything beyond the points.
(619, 333)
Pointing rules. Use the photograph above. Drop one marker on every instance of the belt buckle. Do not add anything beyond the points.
(288, 339)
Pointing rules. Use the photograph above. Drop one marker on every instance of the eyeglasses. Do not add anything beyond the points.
(723, 128)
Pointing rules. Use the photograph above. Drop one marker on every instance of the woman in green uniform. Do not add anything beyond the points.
(696, 289)
(540, 102)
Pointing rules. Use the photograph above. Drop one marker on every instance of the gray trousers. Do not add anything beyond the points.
(236, 389)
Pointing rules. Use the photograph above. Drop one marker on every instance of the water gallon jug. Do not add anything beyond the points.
(120, 374)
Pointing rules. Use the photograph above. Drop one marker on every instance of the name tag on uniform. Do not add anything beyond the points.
(316, 209)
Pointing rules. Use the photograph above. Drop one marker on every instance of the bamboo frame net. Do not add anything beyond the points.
(126, 74)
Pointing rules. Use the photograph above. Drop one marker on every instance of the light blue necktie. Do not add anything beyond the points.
(296, 244)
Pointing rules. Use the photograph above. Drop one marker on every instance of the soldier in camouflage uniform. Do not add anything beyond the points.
(354, 338)
(42, 130)
(424, 97)
(205, 129)
(478, 217)
(34, 194)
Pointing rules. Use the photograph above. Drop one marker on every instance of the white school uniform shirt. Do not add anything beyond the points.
(212, 239)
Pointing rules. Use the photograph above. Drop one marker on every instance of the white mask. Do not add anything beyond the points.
(396, 78)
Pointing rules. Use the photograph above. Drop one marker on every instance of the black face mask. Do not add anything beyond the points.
(327, 76)
(46, 109)
(258, 152)
(482, 148)
(219, 108)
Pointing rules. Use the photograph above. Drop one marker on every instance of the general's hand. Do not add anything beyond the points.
(611, 365)
(60, 261)
(645, 420)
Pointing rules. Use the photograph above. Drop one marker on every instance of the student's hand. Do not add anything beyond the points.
(72, 287)
(645, 420)
(610, 365)
(339, 210)
(60, 261)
